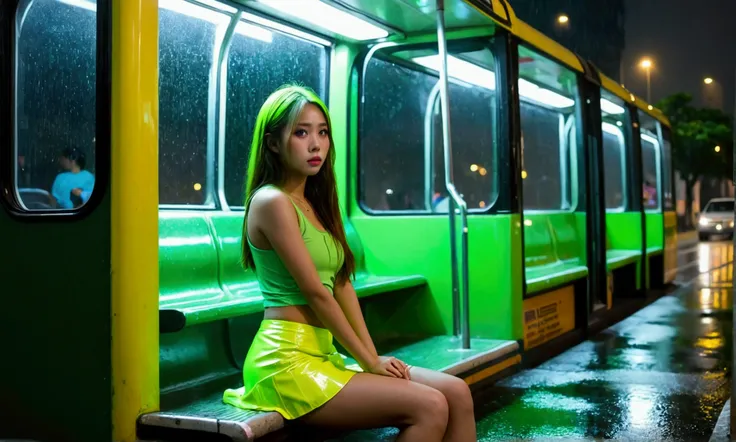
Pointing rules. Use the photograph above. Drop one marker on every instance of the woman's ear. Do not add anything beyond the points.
(272, 143)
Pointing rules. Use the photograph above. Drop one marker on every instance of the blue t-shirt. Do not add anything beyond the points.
(67, 181)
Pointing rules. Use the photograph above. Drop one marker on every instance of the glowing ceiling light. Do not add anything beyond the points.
(610, 107)
(478, 76)
(611, 129)
(84, 4)
(531, 91)
(650, 139)
(460, 69)
(194, 11)
(328, 17)
(253, 31)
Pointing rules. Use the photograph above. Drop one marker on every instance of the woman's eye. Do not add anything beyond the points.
(300, 133)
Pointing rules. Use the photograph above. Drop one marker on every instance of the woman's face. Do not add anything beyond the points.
(308, 143)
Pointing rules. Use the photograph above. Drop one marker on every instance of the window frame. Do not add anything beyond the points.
(667, 166)
(217, 96)
(576, 190)
(9, 40)
(658, 166)
(626, 153)
(491, 42)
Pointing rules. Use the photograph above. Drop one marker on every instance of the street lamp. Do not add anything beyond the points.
(563, 19)
(647, 64)
(718, 148)
(712, 93)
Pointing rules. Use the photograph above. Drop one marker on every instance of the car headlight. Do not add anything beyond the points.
(704, 221)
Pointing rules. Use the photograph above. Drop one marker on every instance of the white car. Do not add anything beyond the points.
(717, 218)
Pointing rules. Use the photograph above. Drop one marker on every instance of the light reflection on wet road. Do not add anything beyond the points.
(661, 374)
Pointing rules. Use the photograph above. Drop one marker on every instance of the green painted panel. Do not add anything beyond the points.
(342, 106)
(55, 321)
(187, 257)
(655, 232)
(420, 245)
(551, 237)
(623, 231)
(624, 241)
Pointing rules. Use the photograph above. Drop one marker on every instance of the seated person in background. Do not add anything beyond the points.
(76, 183)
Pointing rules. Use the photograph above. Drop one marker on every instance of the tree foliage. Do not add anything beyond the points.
(695, 134)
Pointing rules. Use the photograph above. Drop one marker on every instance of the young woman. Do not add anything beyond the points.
(294, 240)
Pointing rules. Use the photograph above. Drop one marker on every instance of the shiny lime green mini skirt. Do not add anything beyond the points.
(290, 368)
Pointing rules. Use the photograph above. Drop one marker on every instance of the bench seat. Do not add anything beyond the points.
(209, 414)
(620, 258)
(549, 276)
(177, 314)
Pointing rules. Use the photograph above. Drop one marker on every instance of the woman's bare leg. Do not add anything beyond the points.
(461, 425)
(373, 401)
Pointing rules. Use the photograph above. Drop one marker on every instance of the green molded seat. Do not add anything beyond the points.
(205, 281)
(620, 258)
(552, 251)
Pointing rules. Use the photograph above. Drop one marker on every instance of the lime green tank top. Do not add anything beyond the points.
(276, 283)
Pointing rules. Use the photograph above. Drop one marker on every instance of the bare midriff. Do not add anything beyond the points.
(294, 313)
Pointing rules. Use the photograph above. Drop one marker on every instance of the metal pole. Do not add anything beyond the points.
(449, 184)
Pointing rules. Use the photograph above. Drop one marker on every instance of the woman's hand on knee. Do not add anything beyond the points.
(390, 366)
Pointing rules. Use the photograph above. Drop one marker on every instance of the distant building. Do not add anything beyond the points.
(594, 29)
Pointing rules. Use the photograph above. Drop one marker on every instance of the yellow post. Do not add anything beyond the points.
(134, 190)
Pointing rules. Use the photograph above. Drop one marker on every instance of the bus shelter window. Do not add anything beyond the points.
(613, 115)
(401, 159)
(651, 161)
(548, 95)
(189, 40)
(260, 60)
(55, 99)
(667, 176)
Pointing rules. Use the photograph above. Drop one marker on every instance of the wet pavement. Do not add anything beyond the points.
(662, 374)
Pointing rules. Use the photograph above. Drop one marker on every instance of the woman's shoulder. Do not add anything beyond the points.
(269, 200)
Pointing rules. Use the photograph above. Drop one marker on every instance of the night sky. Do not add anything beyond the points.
(687, 40)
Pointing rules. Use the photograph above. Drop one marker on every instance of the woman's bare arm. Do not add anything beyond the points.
(348, 300)
(276, 219)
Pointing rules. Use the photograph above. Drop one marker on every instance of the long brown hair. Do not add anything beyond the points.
(278, 113)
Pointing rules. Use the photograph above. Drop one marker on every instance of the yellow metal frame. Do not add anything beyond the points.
(545, 44)
(134, 188)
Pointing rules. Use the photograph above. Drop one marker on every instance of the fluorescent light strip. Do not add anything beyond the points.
(253, 31)
(610, 107)
(461, 69)
(328, 17)
(217, 5)
(84, 4)
(220, 18)
(541, 95)
(650, 139)
(194, 11)
(285, 29)
(474, 74)
(612, 129)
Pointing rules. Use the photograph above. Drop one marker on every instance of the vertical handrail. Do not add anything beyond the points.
(428, 146)
(455, 198)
